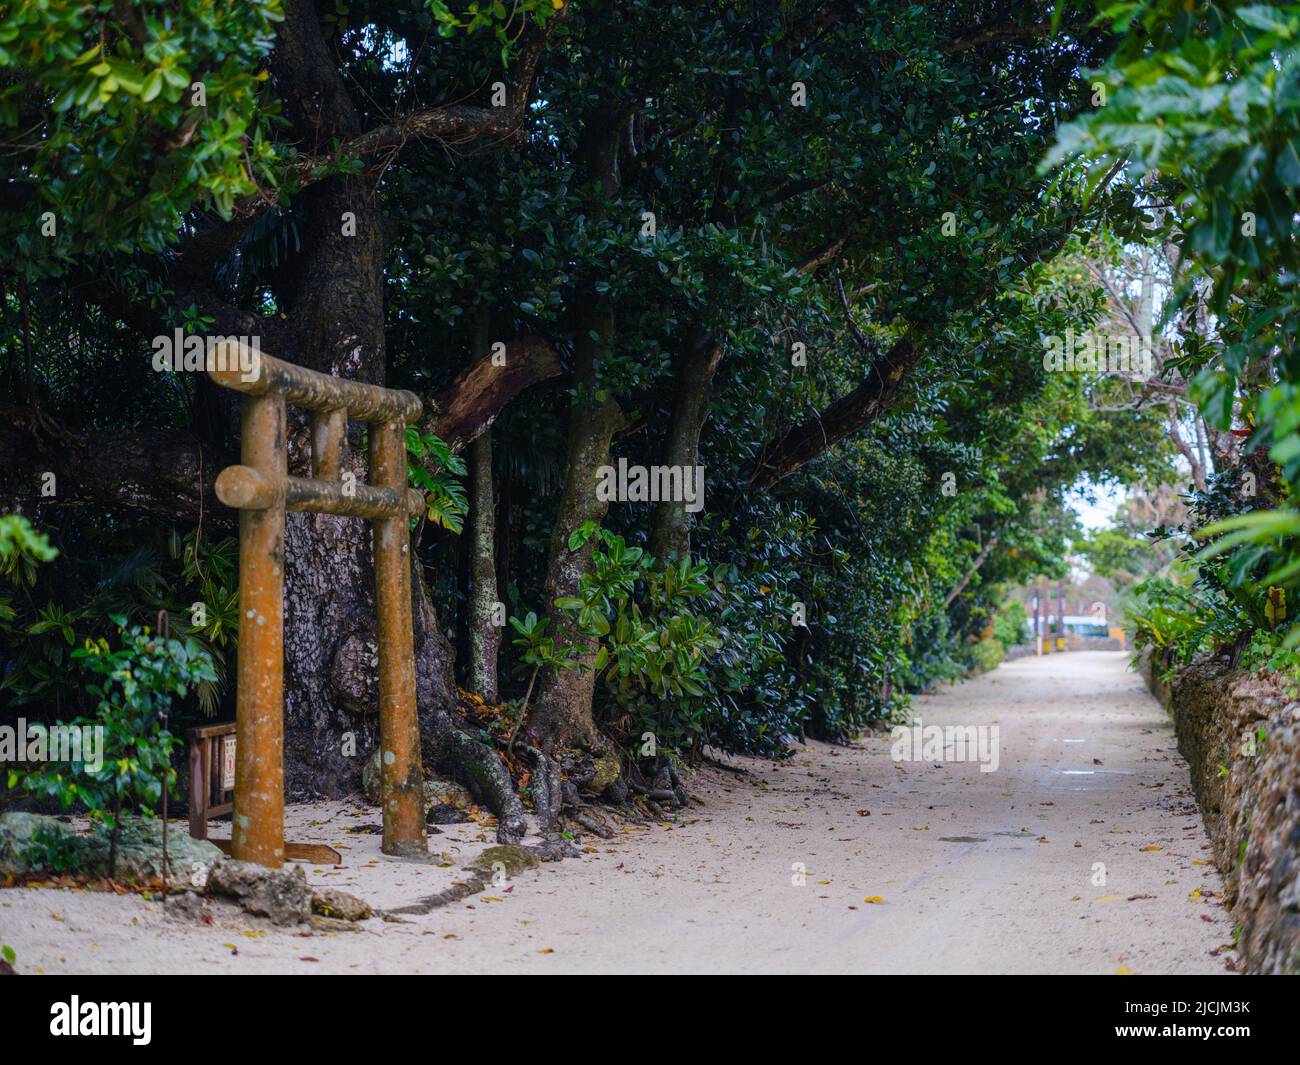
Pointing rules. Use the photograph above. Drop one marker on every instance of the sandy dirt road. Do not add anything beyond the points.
(975, 872)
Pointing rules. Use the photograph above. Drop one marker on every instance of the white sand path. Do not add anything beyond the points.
(1088, 774)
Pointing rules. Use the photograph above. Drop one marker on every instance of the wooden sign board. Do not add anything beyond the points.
(212, 775)
(228, 763)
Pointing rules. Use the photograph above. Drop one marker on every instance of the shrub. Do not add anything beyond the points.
(139, 682)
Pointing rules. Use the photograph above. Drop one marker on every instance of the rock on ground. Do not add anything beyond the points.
(281, 895)
(139, 849)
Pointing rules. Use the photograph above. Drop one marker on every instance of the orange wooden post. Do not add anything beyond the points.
(257, 831)
(399, 730)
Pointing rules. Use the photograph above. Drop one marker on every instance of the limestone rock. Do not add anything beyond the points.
(17, 832)
(279, 894)
(445, 793)
(139, 849)
(139, 852)
(330, 902)
(436, 792)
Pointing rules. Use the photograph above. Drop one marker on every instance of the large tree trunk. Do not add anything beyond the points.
(670, 532)
(562, 713)
(333, 295)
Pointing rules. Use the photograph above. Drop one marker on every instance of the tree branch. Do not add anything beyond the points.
(980, 559)
(801, 444)
(451, 123)
(480, 392)
(159, 473)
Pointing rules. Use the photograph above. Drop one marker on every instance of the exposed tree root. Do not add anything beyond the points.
(589, 820)
(548, 801)
(554, 847)
(461, 757)
(655, 794)
(460, 890)
(718, 763)
(450, 752)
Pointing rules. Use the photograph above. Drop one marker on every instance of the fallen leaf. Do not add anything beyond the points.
(874, 899)
(1124, 970)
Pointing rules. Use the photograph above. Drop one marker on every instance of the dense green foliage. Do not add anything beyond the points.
(857, 183)
(1203, 106)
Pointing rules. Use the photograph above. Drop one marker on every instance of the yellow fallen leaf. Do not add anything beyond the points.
(1153, 847)
(253, 933)
(1124, 970)
(823, 881)
(1199, 861)
(491, 898)
(874, 898)
(1107, 898)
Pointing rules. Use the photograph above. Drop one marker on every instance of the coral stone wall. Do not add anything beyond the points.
(1240, 733)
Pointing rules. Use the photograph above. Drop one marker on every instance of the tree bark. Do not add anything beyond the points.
(471, 403)
(670, 533)
(484, 635)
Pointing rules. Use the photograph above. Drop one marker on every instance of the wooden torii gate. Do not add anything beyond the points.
(262, 490)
